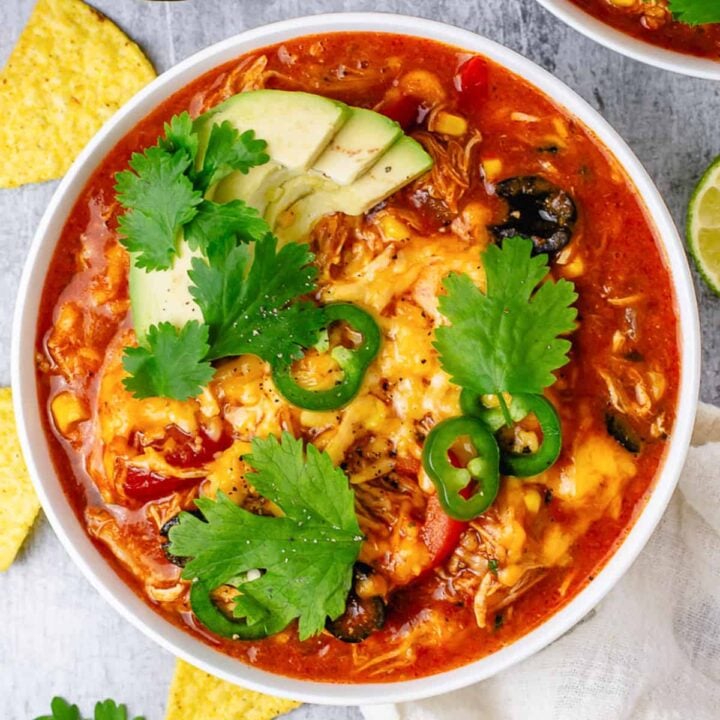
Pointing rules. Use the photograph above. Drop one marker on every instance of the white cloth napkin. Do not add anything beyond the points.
(651, 651)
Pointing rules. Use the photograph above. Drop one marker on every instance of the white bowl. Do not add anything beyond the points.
(35, 446)
(631, 46)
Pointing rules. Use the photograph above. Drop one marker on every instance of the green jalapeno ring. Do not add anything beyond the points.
(494, 418)
(353, 362)
(529, 464)
(451, 481)
(212, 618)
(520, 464)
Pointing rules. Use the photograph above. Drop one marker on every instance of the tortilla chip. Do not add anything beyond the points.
(195, 695)
(69, 72)
(18, 503)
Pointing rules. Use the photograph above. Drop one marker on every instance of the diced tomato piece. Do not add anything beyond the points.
(473, 84)
(146, 485)
(407, 111)
(409, 466)
(440, 533)
(187, 452)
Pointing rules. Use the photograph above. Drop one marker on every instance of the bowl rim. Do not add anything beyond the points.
(28, 411)
(632, 47)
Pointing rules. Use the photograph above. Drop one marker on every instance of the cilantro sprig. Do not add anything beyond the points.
(302, 561)
(106, 710)
(161, 200)
(172, 363)
(251, 306)
(163, 191)
(507, 339)
(249, 297)
(696, 12)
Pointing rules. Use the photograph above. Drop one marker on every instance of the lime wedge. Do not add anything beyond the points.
(703, 226)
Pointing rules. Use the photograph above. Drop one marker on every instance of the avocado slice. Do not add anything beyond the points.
(163, 295)
(403, 162)
(326, 157)
(291, 191)
(297, 126)
(358, 144)
(256, 187)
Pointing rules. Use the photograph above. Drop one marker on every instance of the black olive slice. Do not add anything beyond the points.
(165, 531)
(538, 210)
(362, 615)
(620, 430)
(360, 619)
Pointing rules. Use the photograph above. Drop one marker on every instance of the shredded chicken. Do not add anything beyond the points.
(453, 164)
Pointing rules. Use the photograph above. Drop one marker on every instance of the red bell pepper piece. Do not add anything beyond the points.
(473, 84)
(146, 485)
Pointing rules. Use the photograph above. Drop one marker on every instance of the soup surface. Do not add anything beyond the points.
(454, 591)
(652, 21)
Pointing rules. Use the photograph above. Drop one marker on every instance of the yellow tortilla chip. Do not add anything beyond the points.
(18, 503)
(195, 695)
(69, 72)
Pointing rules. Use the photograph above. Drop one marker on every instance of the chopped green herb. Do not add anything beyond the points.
(163, 192)
(229, 151)
(160, 199)
(172, 364)
(216, 221)
(179, 136)
(493, 566)
(506, 340)
(696, 12)
(106, 710)
(298, 565)
(256, 311)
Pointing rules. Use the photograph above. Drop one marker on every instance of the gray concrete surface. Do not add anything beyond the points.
(56, 634)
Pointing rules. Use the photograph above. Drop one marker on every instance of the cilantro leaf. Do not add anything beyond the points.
(160, 199)
(696, 12)
(61, 710)
(507, 339)
(171, 365)
(107, 710)
(229, 151)
(256, 310)
(179, 135)
(216, 221)
(305, 557)
(162, 191)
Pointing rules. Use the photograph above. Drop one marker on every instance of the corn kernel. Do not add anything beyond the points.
(561, 127)
(393, 230)
(509, 575)
(492, 168)
(449, 124)
(555, 545)
(623, 3)
(532, 500)
(574, 268)
(68, 410)
(422, 84)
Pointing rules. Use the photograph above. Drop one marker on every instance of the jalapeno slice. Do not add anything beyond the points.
(211, 617)
(353, 363)
(529, 464)
(520, 464)
(464, 492)
(471, 404)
